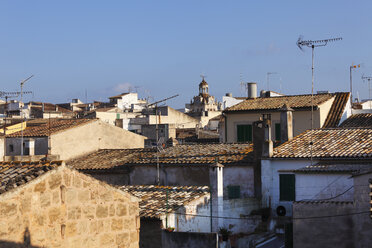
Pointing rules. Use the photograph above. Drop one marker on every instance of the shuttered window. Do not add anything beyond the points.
(287, 187)
(244, 133)
(277, 132)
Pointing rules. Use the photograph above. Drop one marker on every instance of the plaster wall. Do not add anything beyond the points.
(92, 136)
(40, 145)
(324, 186)
(301, 121)
(323, 232)
(2, 148)
(184, 221)
(181, 120)
(65, 208)
(270, 181)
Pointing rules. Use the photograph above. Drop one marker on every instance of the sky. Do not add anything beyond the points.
(96, 49)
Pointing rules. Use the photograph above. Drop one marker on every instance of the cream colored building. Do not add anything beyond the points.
(329, 111)
(68, 138)
(204, 106)
(50, 205)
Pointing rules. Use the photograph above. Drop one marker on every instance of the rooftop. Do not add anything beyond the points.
(358, 120)
(15, 174)
(197, 154)
(329, 143)
(277, 102)
(45, 127)
(335, 168)
(154, 200)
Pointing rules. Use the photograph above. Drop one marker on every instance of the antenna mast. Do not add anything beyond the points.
(313, 43)
(369, 89)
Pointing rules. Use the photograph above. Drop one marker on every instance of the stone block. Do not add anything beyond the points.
(133, 209)
(89, 211)
(134, 237)
(106, 196)
(26, 203)
(107, 239)
(67, 179)
(117, 224)
(54, 214)
(86, 184)
(122, 239)
(38, 219)
(73, 213)
(76, 182)
(55, 181)
(45, 199)
(83, 227)
(56, 197)
(93, 227)
(121, 209)
(40, 187)
(83, 196)
(102, 211)
(112, 210)
(71, 196)
(71, 229)
(8, 209)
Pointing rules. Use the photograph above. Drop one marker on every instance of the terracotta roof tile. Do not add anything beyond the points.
(329, 143)
(274, 103)
(15, 174)
(44, 127)
(179, 154)
(337, 109)
(155, 201)
(358, 120)
(335, 168)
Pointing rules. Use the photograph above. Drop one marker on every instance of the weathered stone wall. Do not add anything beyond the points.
(65, 208)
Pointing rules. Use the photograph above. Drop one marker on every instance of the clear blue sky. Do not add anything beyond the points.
(164, 46)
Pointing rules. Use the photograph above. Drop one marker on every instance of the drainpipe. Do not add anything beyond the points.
(210, 203)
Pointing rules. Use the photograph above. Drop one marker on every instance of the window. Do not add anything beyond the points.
(11, 148)
(233, 191)
(244, 133)
(287, 187)
(277, 132)
(117, 116)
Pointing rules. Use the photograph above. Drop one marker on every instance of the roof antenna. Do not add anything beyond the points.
(268, 79)
(369, 89)
(313, 43)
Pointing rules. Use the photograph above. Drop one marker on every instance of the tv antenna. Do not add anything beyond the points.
(369, 89)
(22, 118)
(159, 143)
(313, 43)
(268, 79)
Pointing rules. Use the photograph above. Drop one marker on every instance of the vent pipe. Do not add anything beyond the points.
(252, 90)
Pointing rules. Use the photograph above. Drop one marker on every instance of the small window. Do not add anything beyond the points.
(233, 191)
(117, 116)
(11, 148)
(277, 132)
(287, 187)
(244, 133)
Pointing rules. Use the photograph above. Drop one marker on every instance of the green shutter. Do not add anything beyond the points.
(233, 191)
(117, 116)
(244, 133)
(287, 186)
(277, 132)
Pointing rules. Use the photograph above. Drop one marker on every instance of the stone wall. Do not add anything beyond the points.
(65, 208)
(189, 239)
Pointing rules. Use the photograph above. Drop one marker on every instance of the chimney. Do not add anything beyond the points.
(286, 123)
(252, 90)
(229, 94)
(216, 195)
(267, 148)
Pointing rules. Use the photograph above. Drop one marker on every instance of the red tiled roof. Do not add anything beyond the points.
(46, 127)
(337, 109)
(358, 120)
(328, 143)
(158, 200)
(206, 154)
(277, 102)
